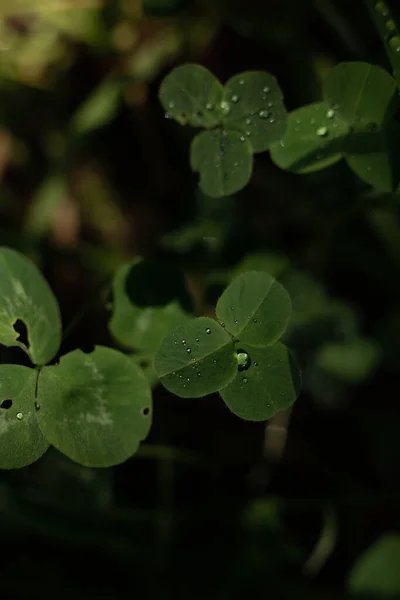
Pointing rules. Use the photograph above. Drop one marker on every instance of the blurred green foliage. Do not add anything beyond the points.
(92, 177)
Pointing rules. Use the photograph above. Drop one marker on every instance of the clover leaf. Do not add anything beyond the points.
(26, 297)
(353, 122)
(246, 116)
(95, 408)
(204, 356)
(21, 441)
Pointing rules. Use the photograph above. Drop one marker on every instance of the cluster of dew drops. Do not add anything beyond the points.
(225, 107)
(392, 32)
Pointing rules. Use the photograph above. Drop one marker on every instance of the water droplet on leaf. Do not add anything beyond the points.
(209, 106)
(322, 131)
(256, 364)
(264, 114)
(225, 107)
(189, 350)
(168, 115)
(208, 331)
(20, 416)
(266, 90)
(245, 380)
(241, 81)
(235, 98)
(243, 360)
(330, 113)
(171, 104)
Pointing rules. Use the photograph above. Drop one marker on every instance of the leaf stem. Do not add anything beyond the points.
(389, 32)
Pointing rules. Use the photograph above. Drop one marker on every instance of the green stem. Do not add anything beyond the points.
(388, 30)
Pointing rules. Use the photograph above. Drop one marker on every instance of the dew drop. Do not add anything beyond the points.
(168, 115)
(322, 131)
(330, 113)
(215, 361)
(254, 320)
(298, 121)
(189, 350)
(248, 121)
(245, 380)
(209, 106)
(270, 104)
(266, 90)
(197, 340)
(248, 133)
(208, 331)
(225, 107)
(171, 104)
(241, 81)
(231, 307)
(256, 364)
(272, 120)
(235, 98)
(37, 406)
(394, 43)
(235, 164)
(242, 138)
(222, 324)
(243, 360)
(184, 342)
(236, 321)
(263, 114)
(20, 416)
(199, 374)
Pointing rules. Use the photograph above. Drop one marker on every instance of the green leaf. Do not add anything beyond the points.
(255, 308)
(192, 95)
(21, 441)
(99, 109)
(314, 139)
(362, 93)
(141, 328)
(375, 158)
(376, 572)
(266, 383)
(351, 360)
(26, 296)
(253, 105)
(196, 359)
(95, 408)
(224, 161)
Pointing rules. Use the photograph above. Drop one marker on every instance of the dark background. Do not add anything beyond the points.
(211, 506)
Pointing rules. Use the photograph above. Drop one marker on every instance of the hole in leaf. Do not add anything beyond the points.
(6, 404)
(146, 411)
(22, 330)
